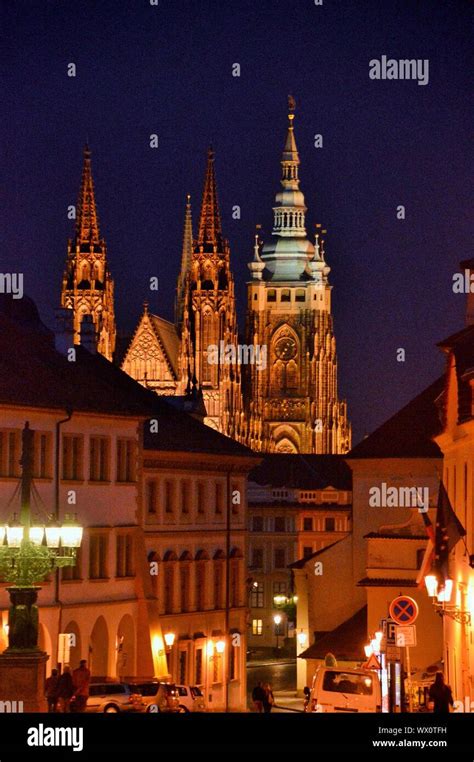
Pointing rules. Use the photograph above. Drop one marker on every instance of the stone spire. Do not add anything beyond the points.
(186, 256)
(88, 287)
(210, 230)
(87, 222)
(287, 255)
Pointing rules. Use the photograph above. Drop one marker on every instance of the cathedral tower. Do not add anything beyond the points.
(88, 287)
(208, 342)
(293, 403)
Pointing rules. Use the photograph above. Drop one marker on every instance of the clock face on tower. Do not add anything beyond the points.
(285, 348)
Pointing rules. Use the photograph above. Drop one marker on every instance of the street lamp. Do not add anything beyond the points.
(29, 552)
(277, 619)
(441, 599)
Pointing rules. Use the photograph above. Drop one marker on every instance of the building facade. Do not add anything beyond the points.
(296, 507)
(164, 518)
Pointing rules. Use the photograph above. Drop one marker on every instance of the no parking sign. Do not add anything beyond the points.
(403, 609)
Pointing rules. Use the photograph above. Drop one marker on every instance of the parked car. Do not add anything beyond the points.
(157, 696)
(335, 689)
(113, 698)
(190, 698)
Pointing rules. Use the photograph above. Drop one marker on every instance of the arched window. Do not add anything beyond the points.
(206, 341)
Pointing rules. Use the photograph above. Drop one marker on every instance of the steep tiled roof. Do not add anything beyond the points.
(461, 344)
(34, 374)
(168, 336)
(408, 433)
(303, 472)
(346, 642)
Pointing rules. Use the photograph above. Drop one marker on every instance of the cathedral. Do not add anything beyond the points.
(276, 393)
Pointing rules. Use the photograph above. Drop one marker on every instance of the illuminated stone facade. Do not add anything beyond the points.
(88, 287)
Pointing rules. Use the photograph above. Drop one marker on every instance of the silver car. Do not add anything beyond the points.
(113, 698)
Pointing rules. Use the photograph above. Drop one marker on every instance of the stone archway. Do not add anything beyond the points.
(125, 645)
(75, 647)
(99, 649)
(45, 644)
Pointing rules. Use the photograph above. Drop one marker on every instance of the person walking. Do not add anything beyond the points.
(51, 690)
(65, 690)
(269, 699)
(258, 697)
(81, 678)
(441, 695)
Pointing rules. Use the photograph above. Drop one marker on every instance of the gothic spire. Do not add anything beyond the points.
(185, 262)
(287, 254)
(210, 231)
(87, 222)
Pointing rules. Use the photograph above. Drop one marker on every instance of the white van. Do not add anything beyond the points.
(335, 689)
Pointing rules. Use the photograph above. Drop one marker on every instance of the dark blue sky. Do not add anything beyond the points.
(168, 70)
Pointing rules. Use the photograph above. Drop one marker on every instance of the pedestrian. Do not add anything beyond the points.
(441, 695)
(258, 697)
(81, 678)
(269, 699)
(65, 690)
(51, 690)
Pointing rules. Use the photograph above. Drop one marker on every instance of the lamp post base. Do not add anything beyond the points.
(22, 678)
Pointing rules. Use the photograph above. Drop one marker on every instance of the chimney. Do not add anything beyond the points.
(88, 334)
(64, 330)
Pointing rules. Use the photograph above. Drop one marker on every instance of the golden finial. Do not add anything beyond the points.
(291, 108)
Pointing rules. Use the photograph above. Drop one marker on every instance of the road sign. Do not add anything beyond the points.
(393, 653)
(372, 663)
(388, 629)
(406, 635)
(403, 610)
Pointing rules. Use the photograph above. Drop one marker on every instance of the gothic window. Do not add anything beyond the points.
(291, 375)
(206, 341)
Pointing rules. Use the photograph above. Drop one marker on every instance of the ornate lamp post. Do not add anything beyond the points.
(28, 553)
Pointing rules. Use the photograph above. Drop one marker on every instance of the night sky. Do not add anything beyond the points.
(168, 70)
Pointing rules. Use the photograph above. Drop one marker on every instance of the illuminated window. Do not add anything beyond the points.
(257, 626)
(257, 596)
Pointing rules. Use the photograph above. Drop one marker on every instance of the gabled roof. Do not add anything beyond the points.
(303, 472)
(346, 642)
(167, 335)
(409, 433)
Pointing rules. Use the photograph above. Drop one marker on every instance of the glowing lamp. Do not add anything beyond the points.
(220, 646)
(169, 639)
(431, 583)
(36, 535)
